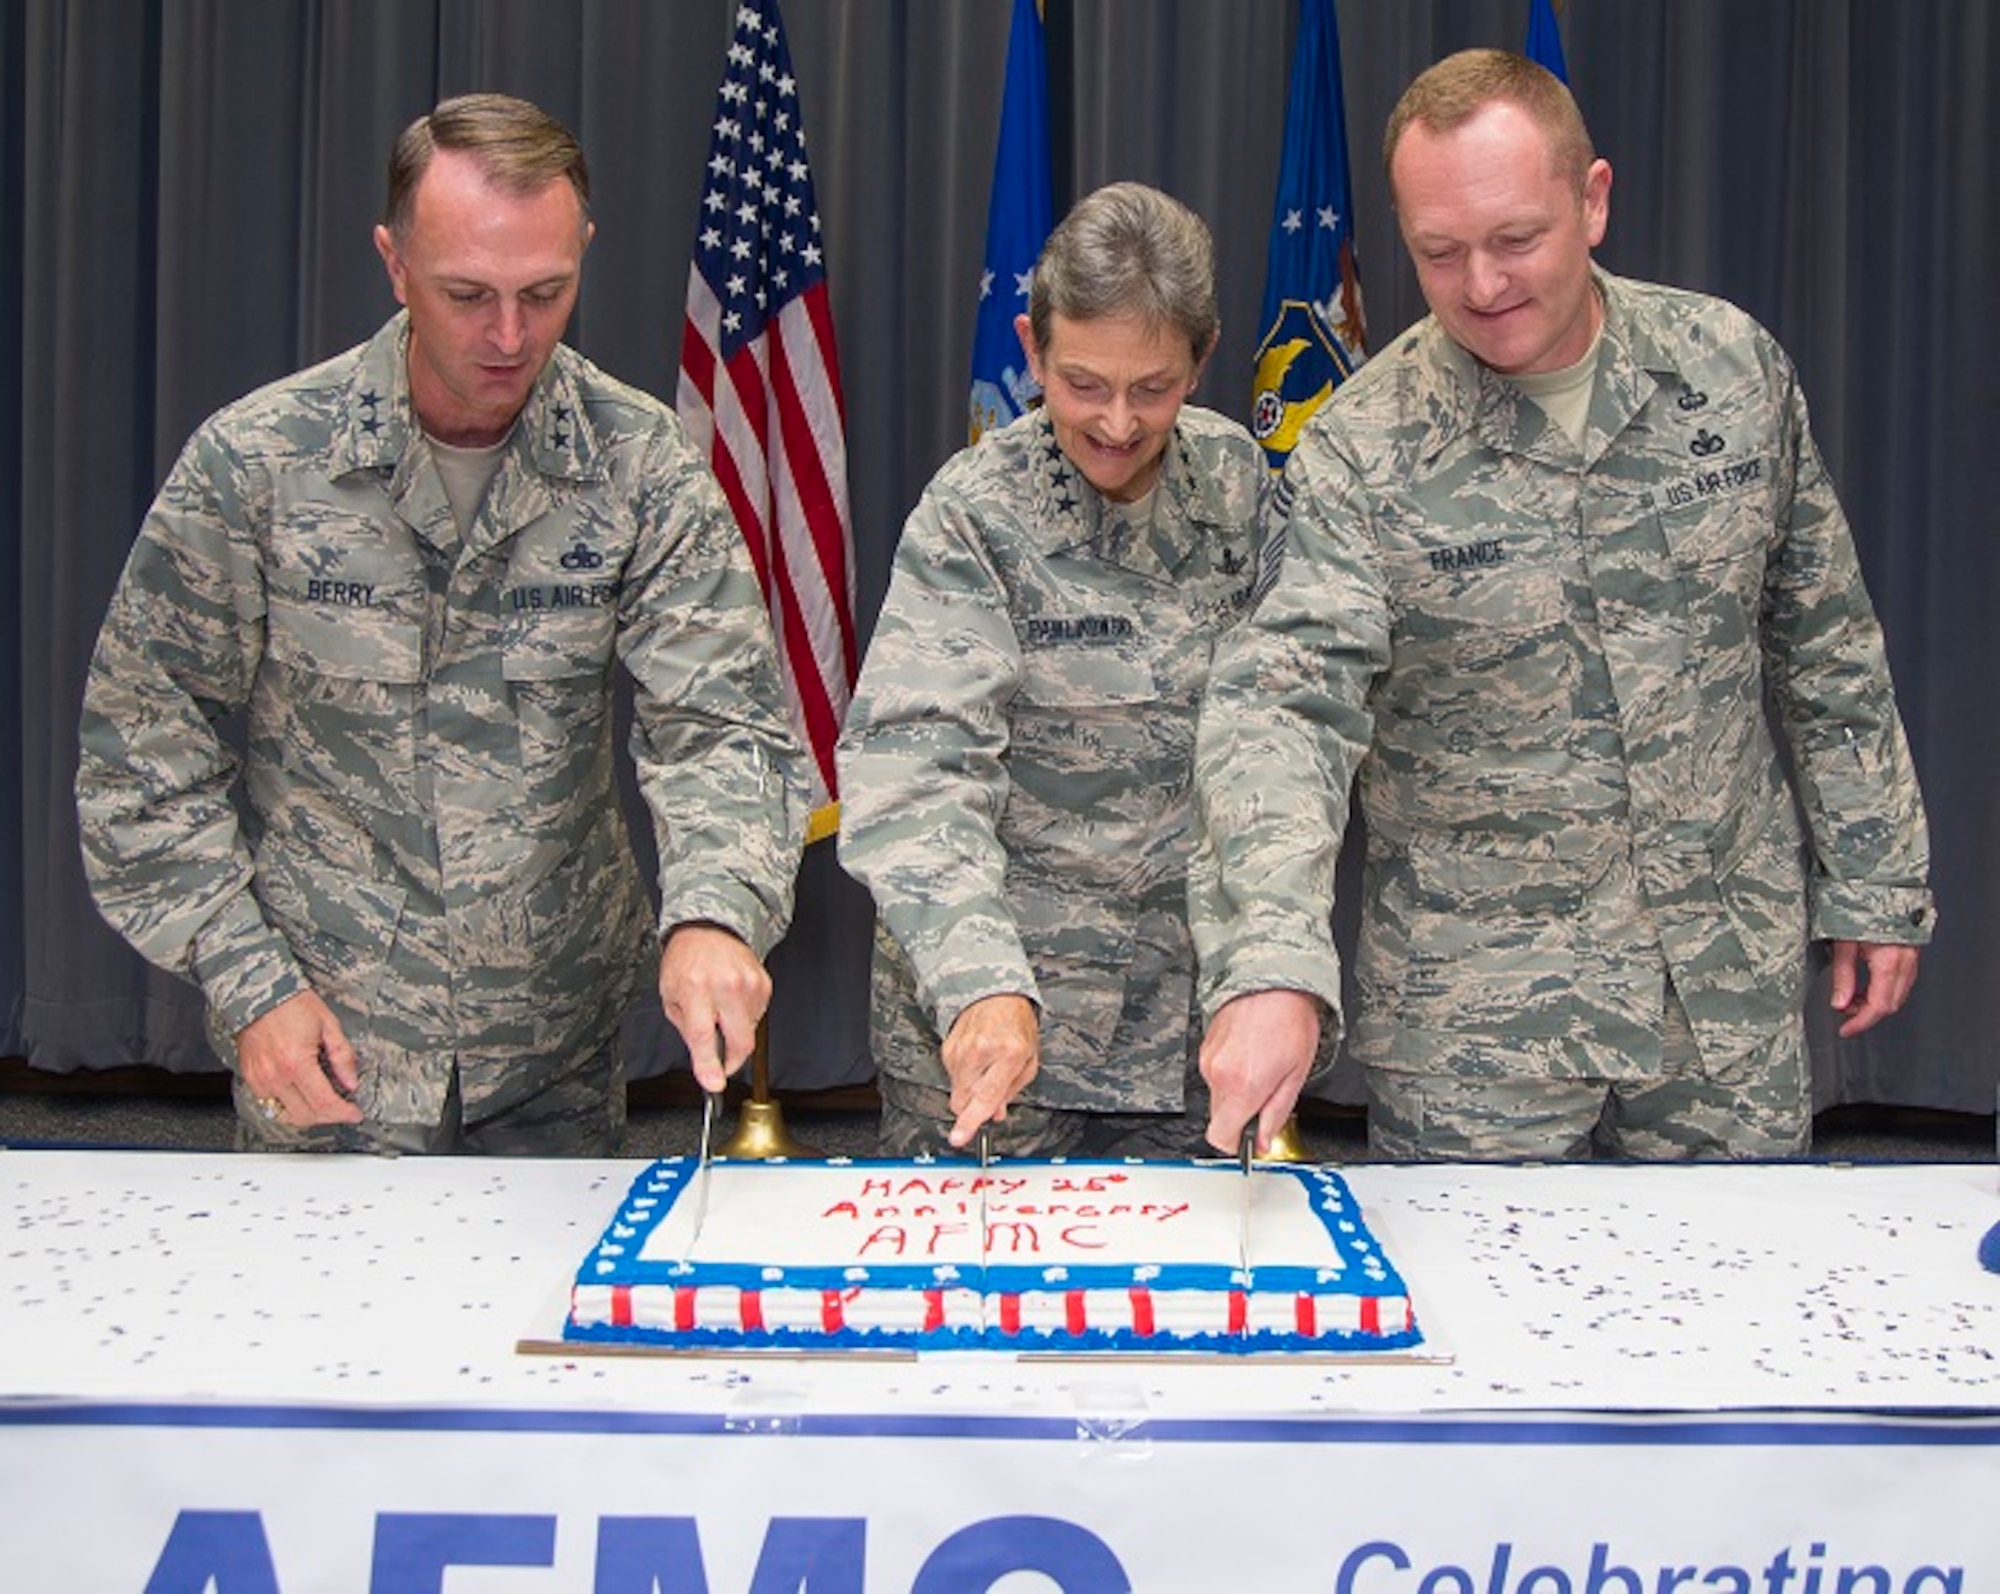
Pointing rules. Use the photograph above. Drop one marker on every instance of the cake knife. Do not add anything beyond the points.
(985, 1157)
(1243, 1225)
(702, 1171)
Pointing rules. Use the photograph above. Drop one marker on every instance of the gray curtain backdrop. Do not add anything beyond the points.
(188, 188)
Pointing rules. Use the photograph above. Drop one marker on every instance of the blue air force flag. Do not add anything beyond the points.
(1313, 334)
(1019, 214)
(1545, 40)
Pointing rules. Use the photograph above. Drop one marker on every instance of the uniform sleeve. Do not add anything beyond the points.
(722, 774)
(163, 845)
(1830, 681)
(922, 774)
(1284, 725)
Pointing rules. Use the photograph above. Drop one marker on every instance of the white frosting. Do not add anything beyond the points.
(1070, 1253)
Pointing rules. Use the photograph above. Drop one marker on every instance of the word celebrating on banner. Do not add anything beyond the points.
(1314, 335)
(760, 376)
(1019, 213)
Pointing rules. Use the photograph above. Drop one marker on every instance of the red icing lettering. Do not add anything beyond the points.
(940, 1232)
(890, 1236)
(1012, 1239)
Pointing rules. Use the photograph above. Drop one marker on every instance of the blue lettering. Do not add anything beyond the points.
(1440, 1579)
(812, 1555)
(1602, 1572)
(413, 1551)
(1852, 1579)
(1732, 1578)
(225, 1550)
(1950, 1579)
(649, 1555)
(1376, 1550)
(977, 1556)
(662, 1555)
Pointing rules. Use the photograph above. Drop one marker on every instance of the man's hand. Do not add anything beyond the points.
(993, 1050)
(1255, 1057)
(711, 981)
(1892, 975)
(292, 1058)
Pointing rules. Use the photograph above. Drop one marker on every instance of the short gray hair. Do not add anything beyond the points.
(1128, 250)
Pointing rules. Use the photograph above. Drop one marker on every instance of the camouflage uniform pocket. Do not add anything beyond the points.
(345, 630)
(1720, 553)
(556, 665)
(1485, 653)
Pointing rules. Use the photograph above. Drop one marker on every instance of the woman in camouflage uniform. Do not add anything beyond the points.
(1016, 765)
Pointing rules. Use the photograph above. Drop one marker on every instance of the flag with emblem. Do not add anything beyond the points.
(1312, 336)
(1019, 213)
(760, 379)
(1545, 40)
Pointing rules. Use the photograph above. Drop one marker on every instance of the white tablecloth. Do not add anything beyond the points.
(143, 1276)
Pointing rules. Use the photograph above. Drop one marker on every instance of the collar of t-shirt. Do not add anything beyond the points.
(1565, 395)
(466, 474)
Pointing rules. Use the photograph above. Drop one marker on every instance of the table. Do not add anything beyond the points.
(264, 1374)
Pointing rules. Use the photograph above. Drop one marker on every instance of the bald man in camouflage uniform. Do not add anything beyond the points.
(1541, 563)
(1016, 763)
(423, 927)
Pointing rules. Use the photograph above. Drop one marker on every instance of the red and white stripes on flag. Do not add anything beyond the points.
(760, 377)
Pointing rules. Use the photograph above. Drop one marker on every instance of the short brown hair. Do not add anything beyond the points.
(1448, 95)
(517, 145)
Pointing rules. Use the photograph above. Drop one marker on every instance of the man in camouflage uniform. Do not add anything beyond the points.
(1015, 768)
(412, 567)
(1542, 563)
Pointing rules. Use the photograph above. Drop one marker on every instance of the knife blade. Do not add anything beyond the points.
(985, 1159)
(1249, 1158)
(703, 1171)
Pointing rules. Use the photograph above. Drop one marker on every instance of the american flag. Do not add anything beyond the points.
(760, 377)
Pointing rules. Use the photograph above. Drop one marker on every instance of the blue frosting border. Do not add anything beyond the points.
(613, 1262)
